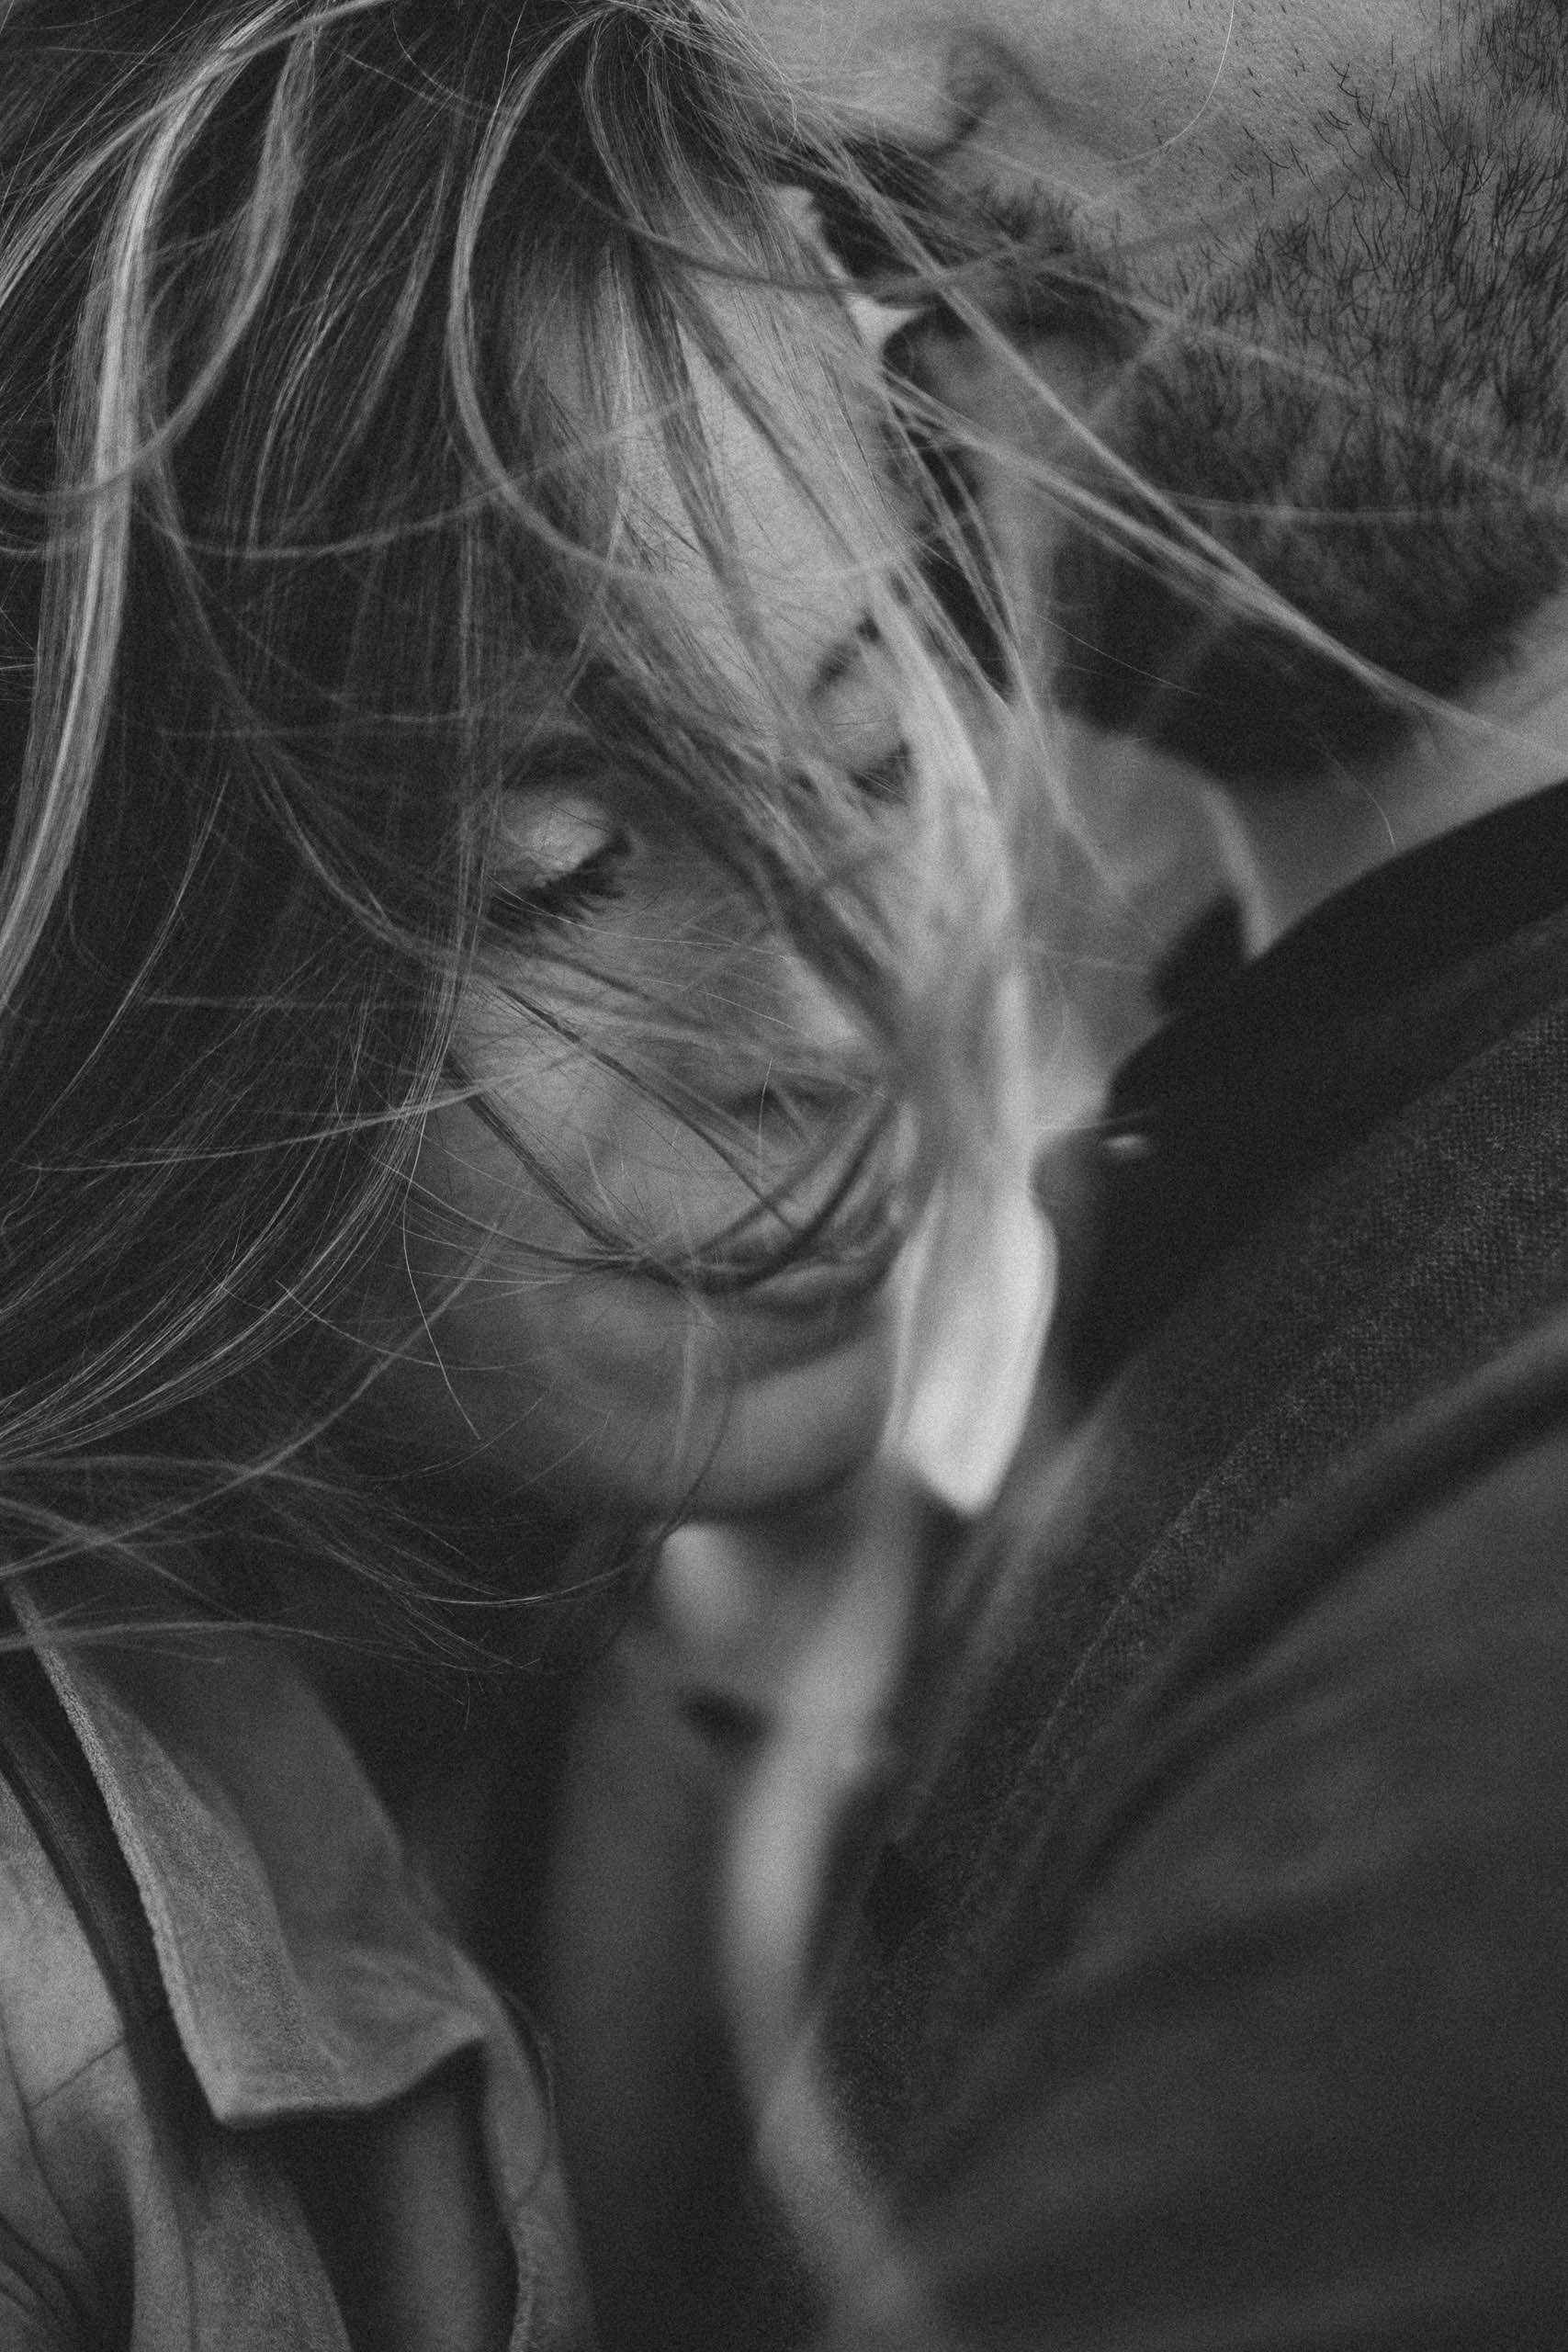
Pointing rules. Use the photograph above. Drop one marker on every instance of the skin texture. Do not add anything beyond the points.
(1362, 396)
(606, 1390)
(1157, 115)
(1335, 235)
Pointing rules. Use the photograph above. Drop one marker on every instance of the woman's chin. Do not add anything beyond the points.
(649, 1416)
(787, 1433)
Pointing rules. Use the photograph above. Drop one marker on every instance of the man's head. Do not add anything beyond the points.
(1155, 114)
(1339, 234)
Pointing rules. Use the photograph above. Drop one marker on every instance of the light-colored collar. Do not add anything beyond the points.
(305, 1970)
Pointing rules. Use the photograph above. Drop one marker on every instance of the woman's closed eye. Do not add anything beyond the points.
(563, 857)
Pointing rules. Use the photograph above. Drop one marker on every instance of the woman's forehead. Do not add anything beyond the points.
(795, 463)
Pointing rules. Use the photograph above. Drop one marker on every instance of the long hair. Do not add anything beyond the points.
(321, 326)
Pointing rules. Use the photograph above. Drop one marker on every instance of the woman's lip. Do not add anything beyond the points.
(814, 1287)
(761, 1342)
(801, 1315)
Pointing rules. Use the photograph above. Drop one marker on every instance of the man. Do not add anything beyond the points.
(1209, 1988)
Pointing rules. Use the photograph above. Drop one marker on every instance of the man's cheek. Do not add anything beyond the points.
(889, 63)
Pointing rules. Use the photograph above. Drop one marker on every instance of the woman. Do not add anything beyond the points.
(498, 939)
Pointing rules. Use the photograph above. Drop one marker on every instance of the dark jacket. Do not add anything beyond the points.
(1211, 1988)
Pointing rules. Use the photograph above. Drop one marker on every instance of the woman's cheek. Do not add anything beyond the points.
(608, 1389)
(610, 1415)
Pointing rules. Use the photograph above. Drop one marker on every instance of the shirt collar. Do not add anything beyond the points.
(1280, 1065)
(1414, 920)
(304, 1968)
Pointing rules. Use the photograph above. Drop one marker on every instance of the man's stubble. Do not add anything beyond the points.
(1368, 410)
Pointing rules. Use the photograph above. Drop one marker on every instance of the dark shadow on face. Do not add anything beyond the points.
(1367, 411)
(1419, 556)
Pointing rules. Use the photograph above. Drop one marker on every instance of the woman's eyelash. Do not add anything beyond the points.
(597, 881)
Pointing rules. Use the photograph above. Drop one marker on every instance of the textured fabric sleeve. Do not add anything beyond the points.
(57, 2029)
(1282, 2058)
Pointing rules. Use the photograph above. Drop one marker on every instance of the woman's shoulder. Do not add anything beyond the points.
(128, 2214)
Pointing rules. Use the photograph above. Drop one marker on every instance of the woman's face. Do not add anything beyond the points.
(608, 1389)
